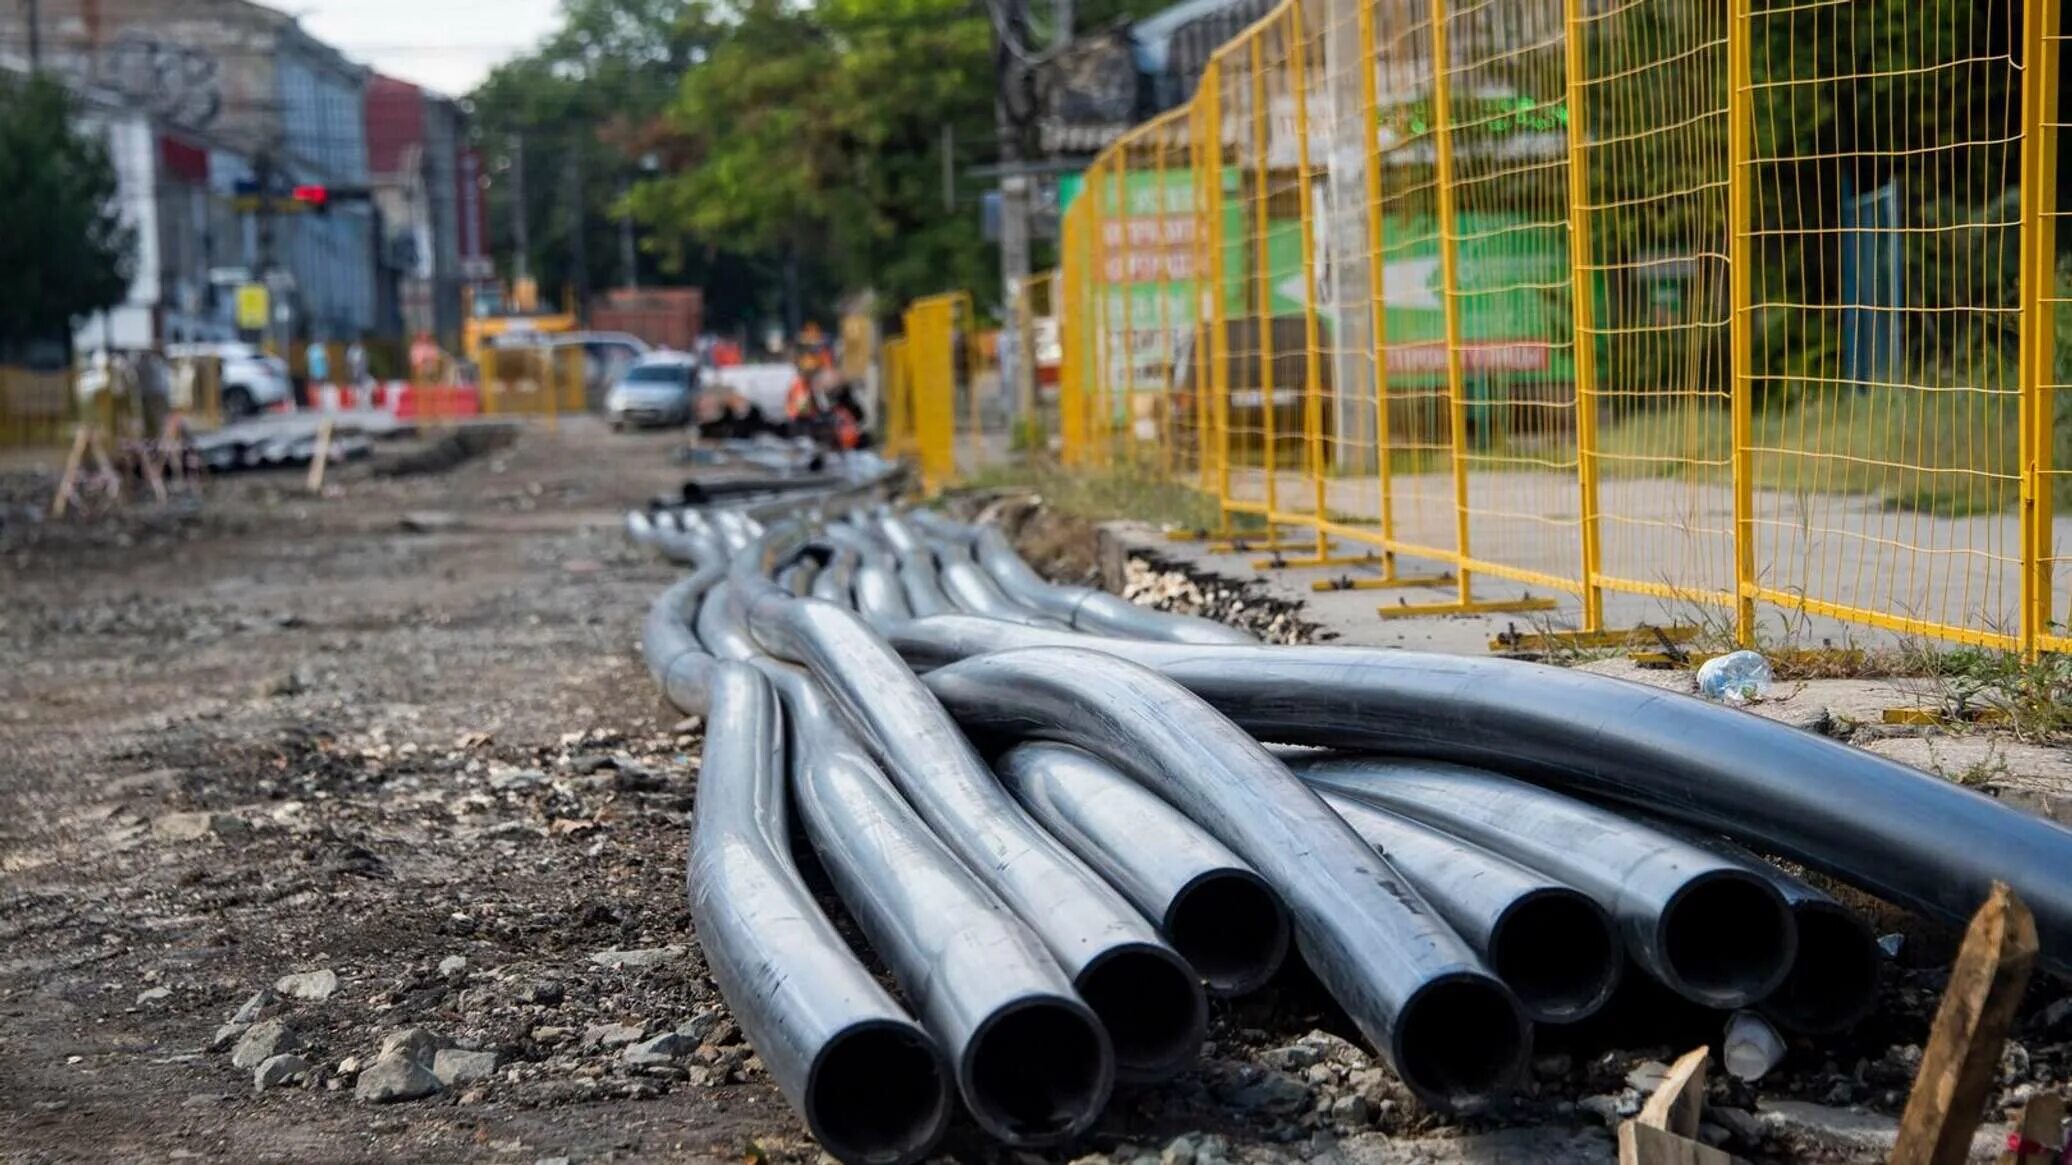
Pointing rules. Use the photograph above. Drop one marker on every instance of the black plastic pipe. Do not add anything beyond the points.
(1031, 1060)
(1221, 916)
(1551, 944)
(1147, 997)
(1907, 836)
(1711, 930)
(1088, 609)
(1454, 1033)
(868, 1081)
(1834, 977)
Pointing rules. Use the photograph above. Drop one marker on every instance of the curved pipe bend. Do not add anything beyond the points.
(1031, 1060)
(1453, 1032)
(1220, 915)
(1144, 993)
(1907, 836)
(1711, 930)
(1088, 609)
(869, 1082)
(1551, 944)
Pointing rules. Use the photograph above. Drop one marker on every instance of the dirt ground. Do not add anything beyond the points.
(400, 733)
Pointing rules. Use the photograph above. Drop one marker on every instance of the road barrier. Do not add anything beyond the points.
(1756, 308)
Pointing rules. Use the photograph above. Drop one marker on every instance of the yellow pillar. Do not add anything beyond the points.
(1582, 288)
(1449, 278)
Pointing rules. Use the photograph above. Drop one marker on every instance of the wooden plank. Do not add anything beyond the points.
(1680, 1099)
(321, 457)
(1641, 1144)
(1963, 1052)
(2034, 1138)
(68, 482)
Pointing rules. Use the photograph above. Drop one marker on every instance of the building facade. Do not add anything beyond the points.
(203, 100)
(426, 186)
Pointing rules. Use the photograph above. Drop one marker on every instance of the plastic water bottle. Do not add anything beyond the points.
(1735, 678)
(1753, 1047)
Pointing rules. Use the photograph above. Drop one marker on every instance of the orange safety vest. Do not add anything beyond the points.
(798, 400)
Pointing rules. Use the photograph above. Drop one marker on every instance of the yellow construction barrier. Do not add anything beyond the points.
(543, 381)
(1750, 312)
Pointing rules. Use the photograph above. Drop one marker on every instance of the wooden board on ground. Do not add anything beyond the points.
(1963, 1052)
(1663, 1133)
(321, 457)
(2037, 1131)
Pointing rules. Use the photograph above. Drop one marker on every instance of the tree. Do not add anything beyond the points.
(816, 134)
(585, 104)
(65, 251)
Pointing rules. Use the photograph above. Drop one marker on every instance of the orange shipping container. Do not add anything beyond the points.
(667, 317)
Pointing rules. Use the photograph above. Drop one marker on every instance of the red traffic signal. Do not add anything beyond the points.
(314, 197)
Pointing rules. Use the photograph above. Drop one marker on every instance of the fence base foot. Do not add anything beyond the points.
(1280, 562)
(1444, 578)
(1642, 636)
(1471, 607)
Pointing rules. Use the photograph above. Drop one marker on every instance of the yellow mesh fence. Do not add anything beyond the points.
(1646, 125)
(1881, 363)
(1651, 308)
(2047, 278)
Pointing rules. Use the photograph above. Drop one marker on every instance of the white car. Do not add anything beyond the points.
(657, 389)
(252, 381)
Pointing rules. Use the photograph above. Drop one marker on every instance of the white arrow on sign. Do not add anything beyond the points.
(1409, 283)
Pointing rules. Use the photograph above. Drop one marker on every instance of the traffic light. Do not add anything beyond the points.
(317, 198)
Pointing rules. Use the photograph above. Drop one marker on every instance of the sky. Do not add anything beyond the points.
(446, 45)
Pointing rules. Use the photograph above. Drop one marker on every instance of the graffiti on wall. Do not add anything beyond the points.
(180, 83)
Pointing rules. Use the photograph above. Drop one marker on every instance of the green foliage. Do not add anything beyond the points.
(589, 101)
(64, 251)
(1126, 490)
(817, 131)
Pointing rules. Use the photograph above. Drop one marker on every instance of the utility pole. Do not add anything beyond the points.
(263, 173)
(578, 248)
(1014, 209)
(521, 238)
(627, 259)
(35, 37)
(949, 168)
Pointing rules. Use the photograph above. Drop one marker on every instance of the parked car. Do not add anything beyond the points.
(657, 389)
(251, 380)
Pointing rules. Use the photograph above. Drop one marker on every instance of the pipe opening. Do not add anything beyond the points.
(1727, 939)
(1152, 1007)
(1229, 926)
(1833, 980)
(1556, 950)
(1460, 1041)
(1038, 1073)
(877, 1093)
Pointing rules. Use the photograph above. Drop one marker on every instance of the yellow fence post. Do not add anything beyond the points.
(1203, 147)
(1312, 386)
(1581, 292)
(1263, 289)
(1370, 154)
(1219, 323)
(1449, 295)
(1072, 333)
(1741, 296)
(2040, 79)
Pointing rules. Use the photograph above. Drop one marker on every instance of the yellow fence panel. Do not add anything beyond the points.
(1647, 130)
(899, 400)
(932, 378)
(1657, 306)
(1881, 453)
(2047, 278)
